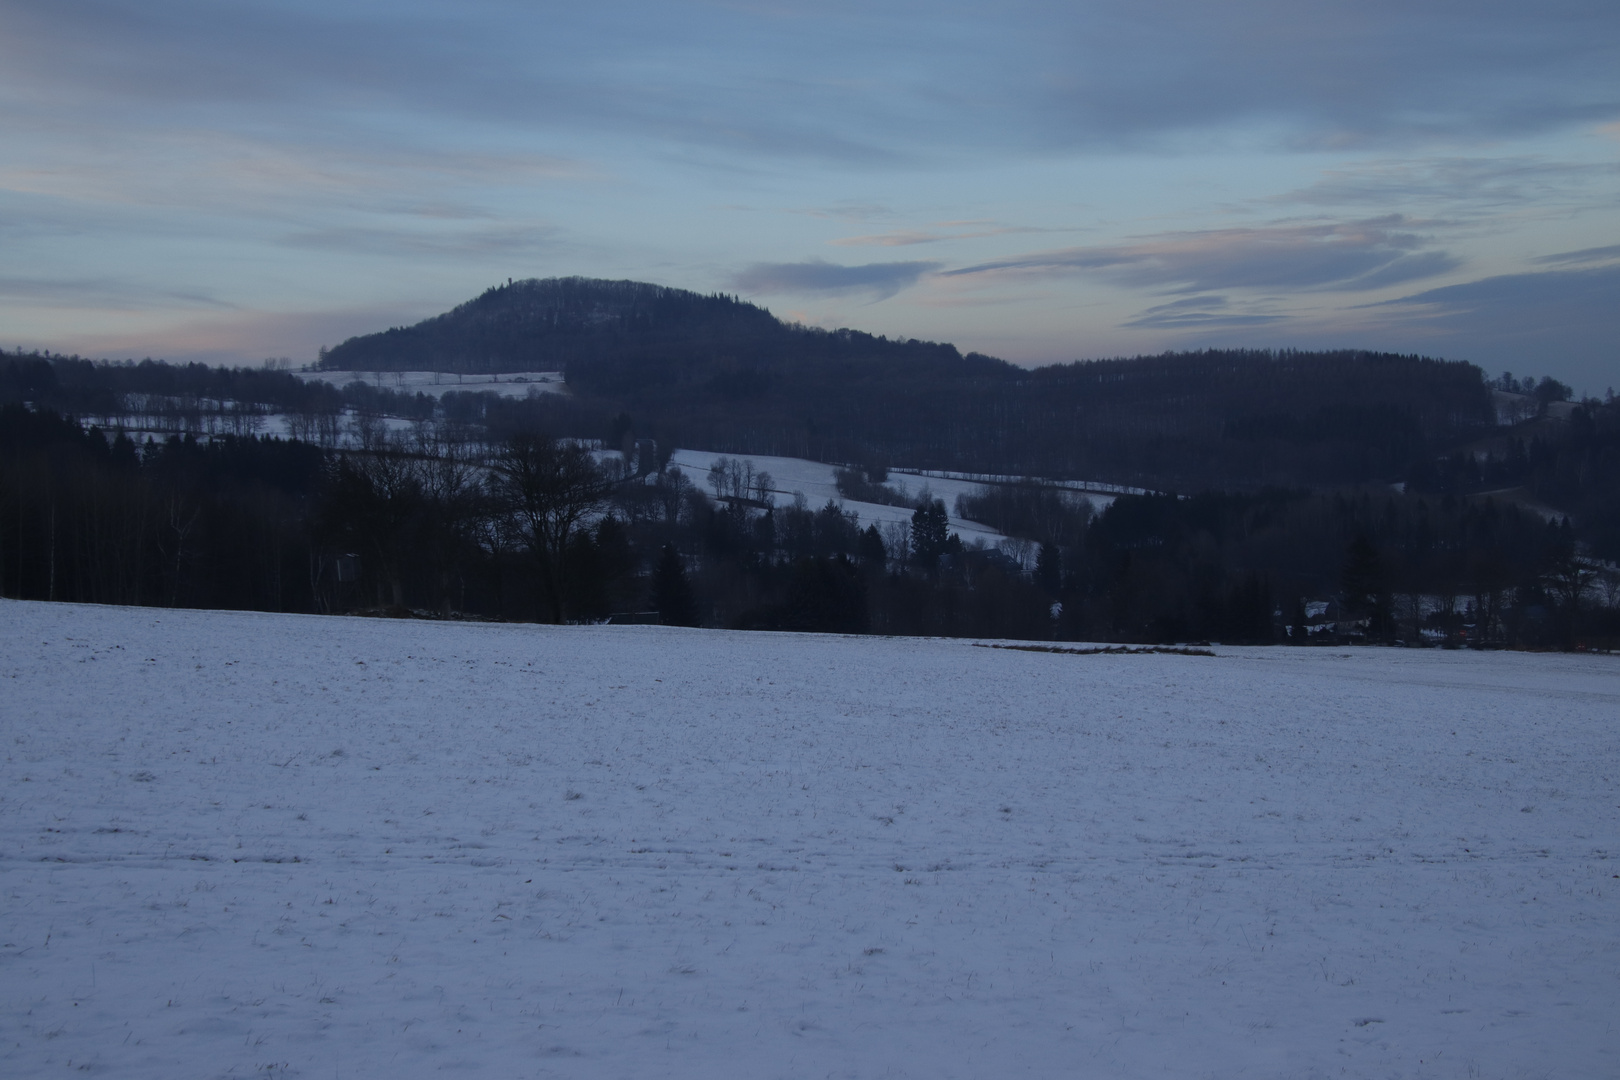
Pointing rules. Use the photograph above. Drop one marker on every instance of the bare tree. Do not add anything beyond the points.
(328, 427)
(672, 487)
(549, 487)
(301, 424)
(1609, 584)
(720, 476)
(371, 430)
(454, 498)
(1569, 578)
(377, 500)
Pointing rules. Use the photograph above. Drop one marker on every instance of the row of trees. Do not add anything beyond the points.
(181, 523)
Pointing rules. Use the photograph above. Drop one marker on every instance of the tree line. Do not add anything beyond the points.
(533, 527)
(1228, 420)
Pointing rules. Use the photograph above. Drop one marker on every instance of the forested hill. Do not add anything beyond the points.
(557, 323)
(714, 372)
(620, 327)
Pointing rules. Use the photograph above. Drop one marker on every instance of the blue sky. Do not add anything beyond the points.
(231, 181)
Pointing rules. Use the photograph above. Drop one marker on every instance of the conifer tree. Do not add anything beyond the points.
(672, 592)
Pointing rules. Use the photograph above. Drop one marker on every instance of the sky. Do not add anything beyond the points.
(235, 180)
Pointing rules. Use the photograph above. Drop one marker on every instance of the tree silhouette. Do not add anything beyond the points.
(548, 487)
(672, 593)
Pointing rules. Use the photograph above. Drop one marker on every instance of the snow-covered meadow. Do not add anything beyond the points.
(240, 843)
(816, 481)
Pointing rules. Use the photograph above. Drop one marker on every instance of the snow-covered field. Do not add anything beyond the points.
(814, 480)
(235, 843)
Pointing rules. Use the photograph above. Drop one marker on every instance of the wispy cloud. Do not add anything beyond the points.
(1353, 256)
(854, 213)
(1510, 298)
(879, 84)
(454, 243)
(1585, 255)
(879, 280)
(944, 230)
(245, 337)
(1472, 183)
(1199, 312)
(903, 238)
(119, 294)
(198, 169)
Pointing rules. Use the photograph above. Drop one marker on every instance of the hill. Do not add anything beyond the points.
(559, 323)
(715, 372)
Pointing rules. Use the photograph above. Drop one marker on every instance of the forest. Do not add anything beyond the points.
(461, 516)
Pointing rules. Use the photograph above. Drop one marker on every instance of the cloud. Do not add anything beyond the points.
(1198, 312)
(106, 293)
(1562, 320)
(880, 280)
(263, 174)
(1354, 256)
(1585, 255)
(1468, 183)
(1415, 267)
(1509, 300)
(851, 212)
(1336, 73)
(460, 244)
(890, 239)
(952, 230)
(245, 337)
(868, 84)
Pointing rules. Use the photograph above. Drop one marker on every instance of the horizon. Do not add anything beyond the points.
(1043, 186)
(315, 366)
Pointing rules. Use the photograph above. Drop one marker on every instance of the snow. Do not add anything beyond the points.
(513, 384)
(814, 480)
(310, 846)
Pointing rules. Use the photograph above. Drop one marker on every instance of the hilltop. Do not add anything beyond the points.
(558, 323)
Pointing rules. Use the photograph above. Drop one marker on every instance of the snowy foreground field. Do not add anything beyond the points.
(236, 844)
